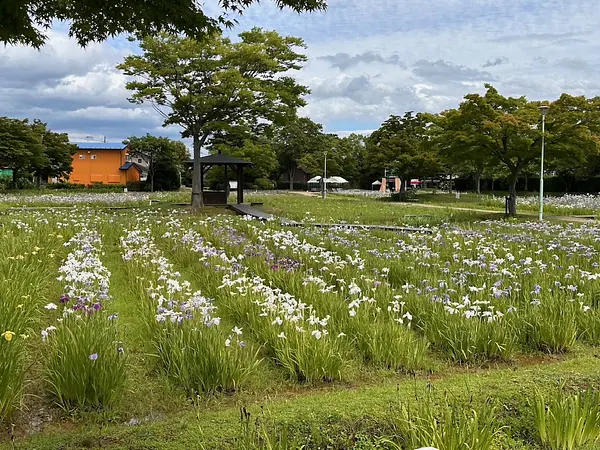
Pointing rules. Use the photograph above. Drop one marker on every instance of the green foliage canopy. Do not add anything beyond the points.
(23, 21)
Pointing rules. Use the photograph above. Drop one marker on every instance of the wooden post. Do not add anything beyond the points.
(226, 184)
(202, 182)
(240, 184)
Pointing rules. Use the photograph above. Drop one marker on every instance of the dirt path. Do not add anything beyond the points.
(575, 219)
(304, 193)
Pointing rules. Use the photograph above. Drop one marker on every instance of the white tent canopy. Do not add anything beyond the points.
(330, 180)
(337, 180)
(376, 183)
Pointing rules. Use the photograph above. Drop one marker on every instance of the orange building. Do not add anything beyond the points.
(103, 163)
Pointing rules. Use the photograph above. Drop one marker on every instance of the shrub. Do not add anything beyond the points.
(65, 186)
(264, 184)
(166, 179)
(137, 186)
(85, 364)
(406, 196)
(106, 187)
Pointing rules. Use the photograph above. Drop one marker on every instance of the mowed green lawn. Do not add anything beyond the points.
(219, 332)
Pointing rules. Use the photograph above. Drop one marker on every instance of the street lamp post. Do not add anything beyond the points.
(544, 110)
(325, 179)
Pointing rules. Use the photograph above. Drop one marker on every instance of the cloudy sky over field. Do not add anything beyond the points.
(367, 59)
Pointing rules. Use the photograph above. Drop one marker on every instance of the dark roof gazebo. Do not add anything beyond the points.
(229, 162)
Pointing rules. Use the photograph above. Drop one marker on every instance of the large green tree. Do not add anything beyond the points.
(297, 143)
(56, 158)
(19, 145)
(24, 21)
(351, 154)
(345, 157)
(31, 149)
(253, 143)
(214, 84)
(402, 144)
(506, 131)
(158, 152)
(457, 156)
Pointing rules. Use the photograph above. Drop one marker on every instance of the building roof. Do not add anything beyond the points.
(129, 164)
(100, 145)
(220, 159)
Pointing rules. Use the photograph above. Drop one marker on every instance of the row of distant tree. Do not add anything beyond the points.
(35, 154)
(32, 151)
(488, 136)
(239, 97)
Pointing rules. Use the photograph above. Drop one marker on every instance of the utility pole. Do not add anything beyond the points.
(544, 110)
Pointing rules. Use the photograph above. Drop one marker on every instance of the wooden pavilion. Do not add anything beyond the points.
(218, 197)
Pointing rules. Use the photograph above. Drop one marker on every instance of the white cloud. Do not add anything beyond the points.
(367, 60)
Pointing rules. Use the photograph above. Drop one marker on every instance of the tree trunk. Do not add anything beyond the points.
(291, 174)
(197, 201)
(151, 175)
(38, 180)
(512, 195)
(451, 182)
(526, 183)
(478, 183)
(492, 185)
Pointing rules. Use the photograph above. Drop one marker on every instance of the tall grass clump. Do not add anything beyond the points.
(86, 364)
(444, 426)
(11, 372)
(473, 339)
(567, 421)
(203, 360)
(552, 326)
(26, 274)
(393, 346)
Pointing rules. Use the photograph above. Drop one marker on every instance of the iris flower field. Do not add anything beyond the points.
(166, 328)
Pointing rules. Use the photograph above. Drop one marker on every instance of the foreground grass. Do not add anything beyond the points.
(336, 417)
(152, 414)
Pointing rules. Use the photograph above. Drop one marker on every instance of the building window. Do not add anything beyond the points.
(81, 156)
(93, 157)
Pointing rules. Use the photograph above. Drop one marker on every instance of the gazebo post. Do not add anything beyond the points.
(240, 184)
(202, 182)
(226, 184)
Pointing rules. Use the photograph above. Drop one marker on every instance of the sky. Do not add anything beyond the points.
(367, 59)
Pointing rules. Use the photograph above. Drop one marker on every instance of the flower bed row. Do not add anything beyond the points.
(192, 347)
(85, 363)
(312, 341)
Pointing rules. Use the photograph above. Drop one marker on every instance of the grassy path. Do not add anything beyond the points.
(528, 216)
(341, 412)
(148, 395)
